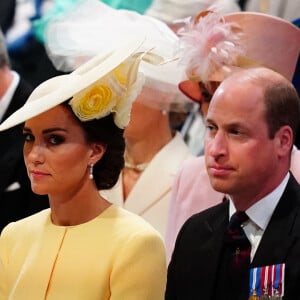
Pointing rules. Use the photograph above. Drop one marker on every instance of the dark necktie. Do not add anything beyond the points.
(232, 279)
(238, 243)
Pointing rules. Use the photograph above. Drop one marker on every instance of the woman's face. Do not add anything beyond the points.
(56, 153)
(207, 93)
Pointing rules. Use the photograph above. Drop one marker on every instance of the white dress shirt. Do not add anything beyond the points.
(260, 214)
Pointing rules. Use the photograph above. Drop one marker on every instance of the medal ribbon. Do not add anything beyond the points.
(281, 284)
(264, 281)
(267, 281)
(278, 279)
(255, 278)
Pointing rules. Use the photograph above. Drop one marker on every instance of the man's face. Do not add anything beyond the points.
(240, 156)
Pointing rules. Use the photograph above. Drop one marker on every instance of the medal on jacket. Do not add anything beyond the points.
(254, 284)
(254, 297)
(265, 283)
(277, 281)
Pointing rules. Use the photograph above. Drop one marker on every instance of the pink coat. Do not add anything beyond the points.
(192, 193)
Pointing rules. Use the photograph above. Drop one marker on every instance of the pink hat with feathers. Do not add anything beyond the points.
(213, 46)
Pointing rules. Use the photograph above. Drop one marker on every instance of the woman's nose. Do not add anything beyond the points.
(35, 154)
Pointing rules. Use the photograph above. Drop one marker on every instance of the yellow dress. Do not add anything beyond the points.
(116, 256)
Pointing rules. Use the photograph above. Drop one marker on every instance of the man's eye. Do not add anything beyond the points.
(235, 132)
(210, 127)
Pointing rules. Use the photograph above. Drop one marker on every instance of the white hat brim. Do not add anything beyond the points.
(58, 89)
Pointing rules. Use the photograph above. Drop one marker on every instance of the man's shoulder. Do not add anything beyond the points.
(211, 214)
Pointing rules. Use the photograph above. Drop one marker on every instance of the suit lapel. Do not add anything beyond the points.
(20, 96)
(215, 227)
(11, 140)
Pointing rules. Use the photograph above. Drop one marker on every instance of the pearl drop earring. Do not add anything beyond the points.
(91, 171)
(164, 112)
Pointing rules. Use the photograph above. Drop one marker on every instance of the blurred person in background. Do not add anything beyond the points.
(16, 197)
(7, 13)
(26, 51)
(173, 12)
(285, 9)
(154, 153)
(136, 5)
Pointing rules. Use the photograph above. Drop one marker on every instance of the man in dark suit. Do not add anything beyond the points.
(16, 198)
(251, 125)
(7, 13)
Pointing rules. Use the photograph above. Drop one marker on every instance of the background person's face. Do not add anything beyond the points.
(142, 119)
(55, 152)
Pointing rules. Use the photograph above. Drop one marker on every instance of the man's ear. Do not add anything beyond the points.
(284, 137)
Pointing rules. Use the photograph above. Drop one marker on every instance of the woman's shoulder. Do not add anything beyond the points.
(24, 228)
(36, 218)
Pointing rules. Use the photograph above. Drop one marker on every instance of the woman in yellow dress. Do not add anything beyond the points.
(83, 247)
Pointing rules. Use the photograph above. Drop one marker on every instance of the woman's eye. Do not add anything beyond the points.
(56, 139)
(206, 96)
(28, 137)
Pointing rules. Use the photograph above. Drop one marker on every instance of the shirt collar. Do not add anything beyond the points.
(260, 212)
(6, 99)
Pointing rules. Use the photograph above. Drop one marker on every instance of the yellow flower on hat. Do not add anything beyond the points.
(94, 102)
(114, 94)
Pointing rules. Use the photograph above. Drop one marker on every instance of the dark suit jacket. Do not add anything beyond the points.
(7, 14)
(195, 261)
(20, 202)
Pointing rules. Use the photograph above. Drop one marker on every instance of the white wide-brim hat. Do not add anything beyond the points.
(58, 89)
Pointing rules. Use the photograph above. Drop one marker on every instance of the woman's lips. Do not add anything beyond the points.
(38, 174)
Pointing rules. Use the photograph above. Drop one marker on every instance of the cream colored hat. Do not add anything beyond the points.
(107, 83)
(91, 25)
(215, 46)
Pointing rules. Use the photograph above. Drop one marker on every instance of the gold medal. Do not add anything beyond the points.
(254, 297)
